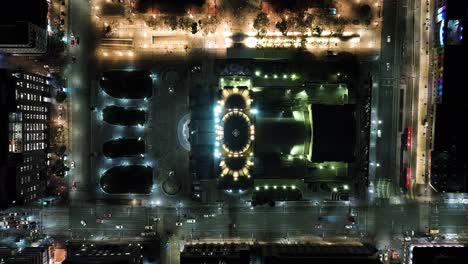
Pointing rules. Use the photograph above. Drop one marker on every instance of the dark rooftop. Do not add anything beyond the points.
(333, 133)
(24, 10)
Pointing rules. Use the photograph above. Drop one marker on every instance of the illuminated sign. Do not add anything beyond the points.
(440, 14)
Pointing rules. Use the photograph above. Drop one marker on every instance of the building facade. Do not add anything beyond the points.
(23, 172)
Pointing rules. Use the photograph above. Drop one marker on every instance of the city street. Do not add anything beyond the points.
(396, 51)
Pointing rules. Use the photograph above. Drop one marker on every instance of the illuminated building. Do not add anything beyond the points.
(25, 137)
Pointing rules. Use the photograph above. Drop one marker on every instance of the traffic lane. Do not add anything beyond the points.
(384, 149)
(79, 95)
(273, 221)
(453, 216)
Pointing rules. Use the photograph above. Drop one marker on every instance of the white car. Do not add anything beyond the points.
(119, 226)
(148, 227)
(191, 221)
(348, 226)
(178, 223)
(210, 215)
(389, 39)
(83, 223)
(72, 164)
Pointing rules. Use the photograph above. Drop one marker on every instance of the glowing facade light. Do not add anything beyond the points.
(254, 111)
(251, 42)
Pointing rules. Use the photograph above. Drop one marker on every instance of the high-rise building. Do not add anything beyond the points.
(23, 27)
(115, 253)
(449, 145)
(24, 136)
(29, 255)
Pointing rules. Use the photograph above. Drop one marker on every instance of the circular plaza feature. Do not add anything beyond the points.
(237, 132)
(236, 167)
(235, 101)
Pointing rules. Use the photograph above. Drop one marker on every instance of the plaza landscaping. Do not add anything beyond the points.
(137, 179)
(123, 84)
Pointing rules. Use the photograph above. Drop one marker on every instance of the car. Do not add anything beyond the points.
(72, 164)
(178, 223)
(195, 69)
(119, 226)
(148, 233)
(149, 227)
(108, 215)
(83, 223)
(74, 185)
(156, 219)
(72, 40)
(348, 226)
(77, 40)
(100, 221)
(332, 53)
(389, 39)
(191, 220)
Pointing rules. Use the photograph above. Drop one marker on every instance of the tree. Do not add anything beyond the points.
(184, 23)
(194, 28)
(210, 24)
(303, 22)
(61, 97)
(318, 30)
(338, 25)
(365, 12)
(282, 26)
(171, 22)
(261, 22)
(61, 151)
